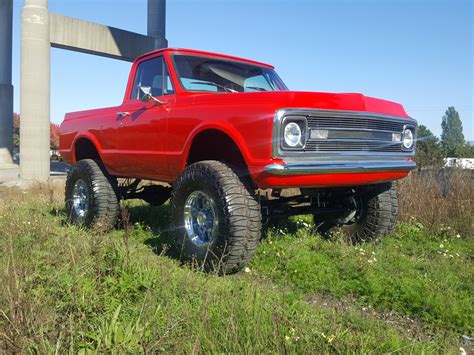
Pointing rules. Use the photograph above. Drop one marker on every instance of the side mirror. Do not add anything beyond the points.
(146, 96)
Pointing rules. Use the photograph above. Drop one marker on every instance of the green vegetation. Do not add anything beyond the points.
(70, 290)
(412, 273)
(452, 137)
(429, 152)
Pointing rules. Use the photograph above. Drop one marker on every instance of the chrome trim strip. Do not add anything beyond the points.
(354, 140)
(356, 129)
(366, 167)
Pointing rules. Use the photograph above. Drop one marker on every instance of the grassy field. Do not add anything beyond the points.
(64, 289)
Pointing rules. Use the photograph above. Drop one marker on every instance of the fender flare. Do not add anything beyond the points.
(230, 132)
(90, 137)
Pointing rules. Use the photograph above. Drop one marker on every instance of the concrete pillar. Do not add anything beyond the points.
(35, 91)
(157, 22)
(6, 88)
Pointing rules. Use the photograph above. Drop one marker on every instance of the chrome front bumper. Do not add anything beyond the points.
(331, 168)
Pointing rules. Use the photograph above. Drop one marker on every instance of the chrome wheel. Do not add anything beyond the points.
(200, 218)
(80, 200)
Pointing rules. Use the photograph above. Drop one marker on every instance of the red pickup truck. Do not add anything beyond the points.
(225, 136)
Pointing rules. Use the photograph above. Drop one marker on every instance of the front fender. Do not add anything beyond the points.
(228, 130)
(89, 136)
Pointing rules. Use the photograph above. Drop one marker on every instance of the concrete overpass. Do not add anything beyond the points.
(41, 30)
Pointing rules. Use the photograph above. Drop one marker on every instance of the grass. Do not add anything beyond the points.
(413, 272)
(64, 289)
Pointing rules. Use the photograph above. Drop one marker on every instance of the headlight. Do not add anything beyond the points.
(292, 134)
(408, 138)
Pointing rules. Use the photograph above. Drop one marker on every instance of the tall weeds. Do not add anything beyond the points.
(439, 199)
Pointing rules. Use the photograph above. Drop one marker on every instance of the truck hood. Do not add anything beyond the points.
(310, 100)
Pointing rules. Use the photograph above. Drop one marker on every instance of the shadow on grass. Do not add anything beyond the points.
(288, 225)
(158, 219)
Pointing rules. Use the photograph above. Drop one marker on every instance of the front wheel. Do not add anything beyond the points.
(217, 220)
(368, 216)
(91, 200)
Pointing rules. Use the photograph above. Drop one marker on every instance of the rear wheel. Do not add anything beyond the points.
(217, 220)
(368, 217)
(91, 198)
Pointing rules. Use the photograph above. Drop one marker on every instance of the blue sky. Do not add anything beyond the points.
(415, 52)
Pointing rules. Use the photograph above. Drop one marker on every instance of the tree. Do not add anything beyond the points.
(53, 133)
(16, 129)
(452, 138)
(54, 136)
(429, 152)
(467, 151)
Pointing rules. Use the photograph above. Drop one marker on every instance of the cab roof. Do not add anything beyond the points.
(186, 51)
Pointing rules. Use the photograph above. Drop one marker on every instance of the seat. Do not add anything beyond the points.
(157, 85)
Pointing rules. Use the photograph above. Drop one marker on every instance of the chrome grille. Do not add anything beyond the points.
(354, 134)
(331, 146)
(355, 122)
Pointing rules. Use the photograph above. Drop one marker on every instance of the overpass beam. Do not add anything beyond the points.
(87, 37)
(35, 91)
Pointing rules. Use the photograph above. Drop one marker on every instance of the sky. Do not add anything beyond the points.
(419, 53)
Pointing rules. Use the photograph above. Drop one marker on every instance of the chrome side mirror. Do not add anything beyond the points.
(146, 96)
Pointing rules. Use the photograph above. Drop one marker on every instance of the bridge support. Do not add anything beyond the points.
(7, 168)
(156, 24)
(35, 91)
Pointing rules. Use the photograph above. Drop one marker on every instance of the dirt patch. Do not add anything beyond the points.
(467, 343)
(410, 327)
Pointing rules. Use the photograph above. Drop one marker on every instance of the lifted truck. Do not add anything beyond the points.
(219, 131)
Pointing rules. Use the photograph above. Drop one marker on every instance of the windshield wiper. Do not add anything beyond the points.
(213, 84)
(255, 88)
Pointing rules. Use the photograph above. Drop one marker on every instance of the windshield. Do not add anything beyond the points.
(218, 75)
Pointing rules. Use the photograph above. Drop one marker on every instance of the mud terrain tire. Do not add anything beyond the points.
(91, 198)
(216, 218)
(377, 217)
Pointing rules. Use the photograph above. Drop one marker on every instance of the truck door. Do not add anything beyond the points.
(142, 125)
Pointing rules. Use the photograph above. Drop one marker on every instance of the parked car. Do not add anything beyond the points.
(16, 154)
(54, 155)
(228, 137)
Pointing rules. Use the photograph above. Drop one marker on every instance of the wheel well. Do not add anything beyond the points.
(85, 149)
(216, 145)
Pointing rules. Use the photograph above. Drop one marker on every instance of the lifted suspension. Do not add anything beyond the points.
(155, 195)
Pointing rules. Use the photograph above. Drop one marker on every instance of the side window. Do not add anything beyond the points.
(152, 73)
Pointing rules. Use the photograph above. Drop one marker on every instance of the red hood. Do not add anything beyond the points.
(310, 100)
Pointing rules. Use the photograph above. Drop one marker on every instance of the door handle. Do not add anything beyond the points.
(123, 114)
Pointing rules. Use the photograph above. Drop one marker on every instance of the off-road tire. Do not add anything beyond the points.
(378, 218)
(238, 211)
(104, 207)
